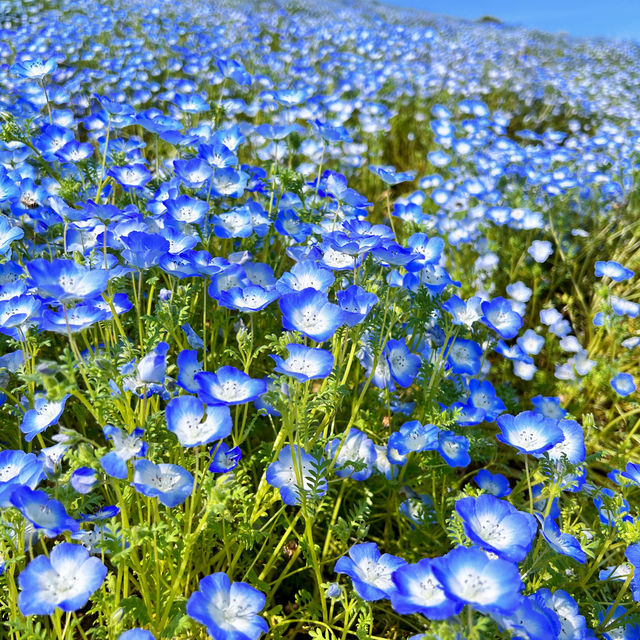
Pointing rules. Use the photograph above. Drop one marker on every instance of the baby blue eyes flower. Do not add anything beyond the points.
(228, 386)
(414, 436)
(194, 423)
(371, 573)
(469, 576)
(64, 580)
(65, 280)
(529, 432)
(356, 303)
(463, 356)
(126, 446)
(454, 449)
(35, 69)
(136, 634)
(494, 483)
(573, 626)
(613, 270)
(562, 543)
(248, 299)
(18, 469)
(419, 591)
(44, 414)
(305, 363)
(170, 483)
(295, 471)
(623, 384)
(83, 479)
(354, 456)
(130, 177)
(499, 316)
(229, 610)
(44, 513)
(632, 554)
(224, 459)
(497, 526)
(310, 312)
(540, 250)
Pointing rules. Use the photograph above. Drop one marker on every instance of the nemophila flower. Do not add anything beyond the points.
(187, 210)
(531, 619)
(499, 316)
(8, 234)
(18, 469)
(44, 414)
(354, 455)
(188, 367)
(248, 299)
(356, 303)
(529, 432)
(229, 386)
(403, 365)
(306, 274)
(134, 176)
(305, 363)
(562, 543)
(483, 396)
(497, 526)
(64, 580)
(389, 174)
(466, 415)
(611, 507)
(170, 483)
(148, 375)
(194, 423)
(548, 407)
(572, 446)
(494, 483)
(74, 319)
(83, 479)
(46, 514)
(224, 459)
(632, 554)
(126, 446)
(310, 312)
(623, 384)
(35, 69)
(463, 356)
(414, 436)
(469, 576)
(419, 591)
(143, 250)
(136, 634)
(453, 448)
(530, 342)
(613, 270)
(295, 471)
(65, 280)
(631, 473)
(624, 630)
(540, 250)
(464, 313)
(371, 573)
(573, 626)
(194, 172)
(229, 610)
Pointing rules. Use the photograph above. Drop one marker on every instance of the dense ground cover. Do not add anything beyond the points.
(316, 321)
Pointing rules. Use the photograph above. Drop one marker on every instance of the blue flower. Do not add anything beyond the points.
(44, 414)
(532, 619)
(414, 436)
(356, 303)
(613, 270)
(470, 577)
(499, 316)
(228, 610)
(35, 69)
(419, 591)
(371, 573)
(354, 454)
(623, 384)
(130, 177)
(136, 634)
(454, 449)
(170, 483)
(248, 299)
(572, 446)
(66, 280)
(194, 423)
(295, 471)
(494, 483)
(305, 363)
(483, 396)
(224, 459)
(403, 365)
(548, 407)
(497, 526)
(529, 432)
(464, 356)
(540, 250)
(573, 625)
(83, 479)
(229, 386)
(18, 469)
(188, 367)
(562, 543)
(44, 513)
(64, 580)
(306, 274)
(309, 312)
(126, 446)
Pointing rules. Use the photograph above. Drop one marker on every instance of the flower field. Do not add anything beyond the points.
(317, 320)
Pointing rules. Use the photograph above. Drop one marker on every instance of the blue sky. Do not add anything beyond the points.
(616, 18)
